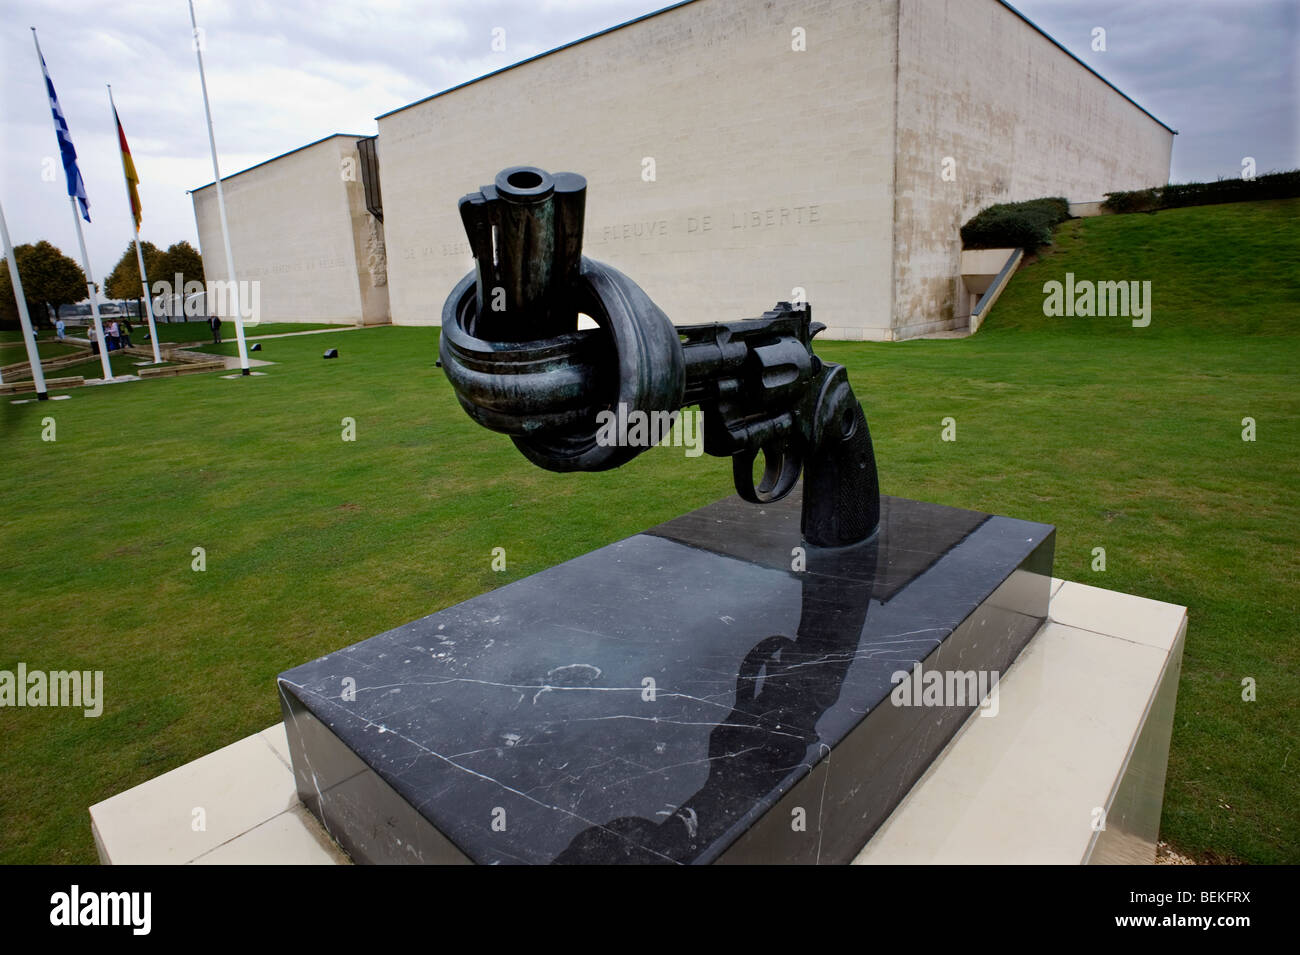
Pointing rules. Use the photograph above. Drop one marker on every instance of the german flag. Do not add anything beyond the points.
(128, 170)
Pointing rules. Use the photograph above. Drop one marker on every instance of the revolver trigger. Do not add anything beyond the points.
(781, 467)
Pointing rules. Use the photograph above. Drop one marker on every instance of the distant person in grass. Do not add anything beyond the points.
(113, 342)
(126, 332)
(58, 328)
(215, 322)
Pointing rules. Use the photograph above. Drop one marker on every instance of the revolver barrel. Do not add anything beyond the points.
(525, 232)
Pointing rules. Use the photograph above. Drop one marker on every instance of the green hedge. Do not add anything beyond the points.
(1273, 185)
(1137, 200)
(1025, 225)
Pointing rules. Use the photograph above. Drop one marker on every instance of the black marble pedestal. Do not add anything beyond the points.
(701, 692)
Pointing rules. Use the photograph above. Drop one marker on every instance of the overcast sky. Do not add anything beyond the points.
(282, 73)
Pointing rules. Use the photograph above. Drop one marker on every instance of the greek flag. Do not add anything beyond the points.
(75, 186)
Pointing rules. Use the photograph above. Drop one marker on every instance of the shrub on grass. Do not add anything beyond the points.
(1135, 200)
(1026, 225)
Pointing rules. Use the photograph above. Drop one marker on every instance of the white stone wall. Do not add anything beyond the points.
(1020, 118)
(299, 226)
(774, 167)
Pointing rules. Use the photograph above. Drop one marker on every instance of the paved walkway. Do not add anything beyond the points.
(232, 361)
(316, 331)
(952, 333)
(230, 338)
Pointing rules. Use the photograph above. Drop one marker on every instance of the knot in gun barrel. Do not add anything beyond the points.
(519, 364)
(510, 341)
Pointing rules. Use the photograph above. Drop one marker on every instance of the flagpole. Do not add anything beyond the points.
(24, 319)
(81, 241)
(139, 256)
(221, 204)
(91, 292)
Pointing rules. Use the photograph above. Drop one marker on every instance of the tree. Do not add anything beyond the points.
(124, 281)
(8, 304)
(178, 266)
(50, 280)
(180, 258)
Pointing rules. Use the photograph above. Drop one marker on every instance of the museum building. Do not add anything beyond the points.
(737, 154)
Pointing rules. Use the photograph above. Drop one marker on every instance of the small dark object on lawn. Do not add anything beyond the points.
(332, 353)
(257, 346)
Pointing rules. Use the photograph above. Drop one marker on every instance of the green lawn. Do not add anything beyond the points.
(122, 364)
(10, 336)
(168, 332)
(1124, 438)
(12, 349)
(12, 352)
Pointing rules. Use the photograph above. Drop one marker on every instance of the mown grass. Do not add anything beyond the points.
(122, 364)
(174, 333)
(169, 332)
(1124, 438)
(13, 352)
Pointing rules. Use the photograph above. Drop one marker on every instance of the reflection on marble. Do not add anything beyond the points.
(700, 692)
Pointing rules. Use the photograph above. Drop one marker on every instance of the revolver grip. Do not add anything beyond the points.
(841, 493)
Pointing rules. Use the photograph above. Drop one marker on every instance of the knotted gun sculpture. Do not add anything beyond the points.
(520, 365)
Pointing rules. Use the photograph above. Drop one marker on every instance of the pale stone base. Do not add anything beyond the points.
(1083, 723)
(250, 812)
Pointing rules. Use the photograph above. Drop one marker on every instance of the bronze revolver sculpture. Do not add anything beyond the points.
(519, 364)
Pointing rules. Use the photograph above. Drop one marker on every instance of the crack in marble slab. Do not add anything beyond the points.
(465, 769)
(661, 719)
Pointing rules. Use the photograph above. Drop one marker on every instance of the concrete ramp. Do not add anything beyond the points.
(985, 273)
